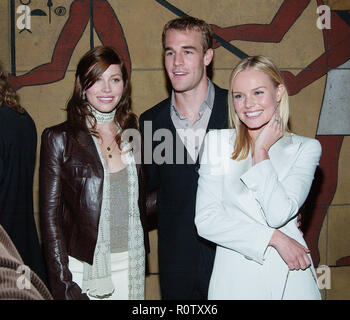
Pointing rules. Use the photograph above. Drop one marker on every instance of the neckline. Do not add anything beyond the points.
(116, 172)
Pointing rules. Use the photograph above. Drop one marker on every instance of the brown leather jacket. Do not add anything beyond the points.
(71, 182)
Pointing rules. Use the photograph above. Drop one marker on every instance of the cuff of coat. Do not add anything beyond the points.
(262, 243)
(258, 173)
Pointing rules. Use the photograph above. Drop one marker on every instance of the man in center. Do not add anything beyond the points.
(195, 106)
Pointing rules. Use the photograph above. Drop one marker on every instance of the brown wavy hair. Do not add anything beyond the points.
(7, 94)
(90, 67)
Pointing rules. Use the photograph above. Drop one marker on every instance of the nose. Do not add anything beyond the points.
(106, 86)
(178, 59)
(249, 101)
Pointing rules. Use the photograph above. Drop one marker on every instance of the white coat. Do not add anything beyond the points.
(239, 206)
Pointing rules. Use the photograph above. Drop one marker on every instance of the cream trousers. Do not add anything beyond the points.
(119, 274)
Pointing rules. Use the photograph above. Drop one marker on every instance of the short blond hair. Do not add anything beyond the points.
(267, 66)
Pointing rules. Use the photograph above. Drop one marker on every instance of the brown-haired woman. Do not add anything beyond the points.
(89, 189)
(18, 141)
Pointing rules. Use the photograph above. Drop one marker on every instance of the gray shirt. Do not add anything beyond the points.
(119, 214)
(192, 135)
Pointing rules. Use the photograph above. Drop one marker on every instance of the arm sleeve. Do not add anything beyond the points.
(214, 222)
(150, 168)
(280, 200)
(51, 211)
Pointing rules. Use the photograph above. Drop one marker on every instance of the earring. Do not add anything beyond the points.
(84, 96)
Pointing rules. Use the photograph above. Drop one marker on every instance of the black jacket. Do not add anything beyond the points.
(18, 141)
(179, 246)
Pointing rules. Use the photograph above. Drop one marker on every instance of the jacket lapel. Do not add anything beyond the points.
(283, 154)
(86, 140)
(219, 114)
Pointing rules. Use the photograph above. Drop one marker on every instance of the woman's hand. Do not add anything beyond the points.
(291, 251)
(267, 137)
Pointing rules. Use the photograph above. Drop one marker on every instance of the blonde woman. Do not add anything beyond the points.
(253, 179)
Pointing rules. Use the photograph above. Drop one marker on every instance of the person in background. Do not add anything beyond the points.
(18, 141)
(17, 281)
(91, 190)
(253, 180)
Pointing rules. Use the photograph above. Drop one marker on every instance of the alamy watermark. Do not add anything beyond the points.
(23, 281)
(324, 20)
(24, 20)
(324, 277)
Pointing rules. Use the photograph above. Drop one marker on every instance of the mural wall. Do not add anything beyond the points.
(42, 42)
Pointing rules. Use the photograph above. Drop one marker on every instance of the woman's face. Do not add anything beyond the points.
(255, 98)
(104, 95)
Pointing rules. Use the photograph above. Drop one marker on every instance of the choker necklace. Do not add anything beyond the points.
(102, 117)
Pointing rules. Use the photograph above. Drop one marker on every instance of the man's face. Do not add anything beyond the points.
(184, 59)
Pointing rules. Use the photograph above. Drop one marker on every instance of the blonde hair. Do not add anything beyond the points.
(264, 64)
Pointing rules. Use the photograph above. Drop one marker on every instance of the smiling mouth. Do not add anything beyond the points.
(179, 73)
(254, 114)
(106, 100)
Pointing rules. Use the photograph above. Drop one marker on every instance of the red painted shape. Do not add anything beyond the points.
(107, 27)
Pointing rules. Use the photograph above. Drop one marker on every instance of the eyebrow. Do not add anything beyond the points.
(259, 87)
(183, 47)
(252, 89)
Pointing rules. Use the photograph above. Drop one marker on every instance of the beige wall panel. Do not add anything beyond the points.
(5, 35)
(322, 242)
(221, 77)
(340, 284)
(143, 37)
(148, 88)
(342, 195)
(226, 13)
(153, 255)
(339, 4)
(305, 108)
(296, 50)
(152, 288)
(338, 233)
(33, 49)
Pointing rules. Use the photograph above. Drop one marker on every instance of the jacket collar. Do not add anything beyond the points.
(218, 118)
(283, 154)
(85, 139)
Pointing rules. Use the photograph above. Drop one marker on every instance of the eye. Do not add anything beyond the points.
(258, 92)
(116, 80)
(168, 53)
(237, 96)
(188, 52)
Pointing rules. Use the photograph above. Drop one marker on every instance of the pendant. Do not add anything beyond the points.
(109, 156)
(108, 149)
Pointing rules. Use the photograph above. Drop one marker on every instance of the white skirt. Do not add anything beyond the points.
(119, 274)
